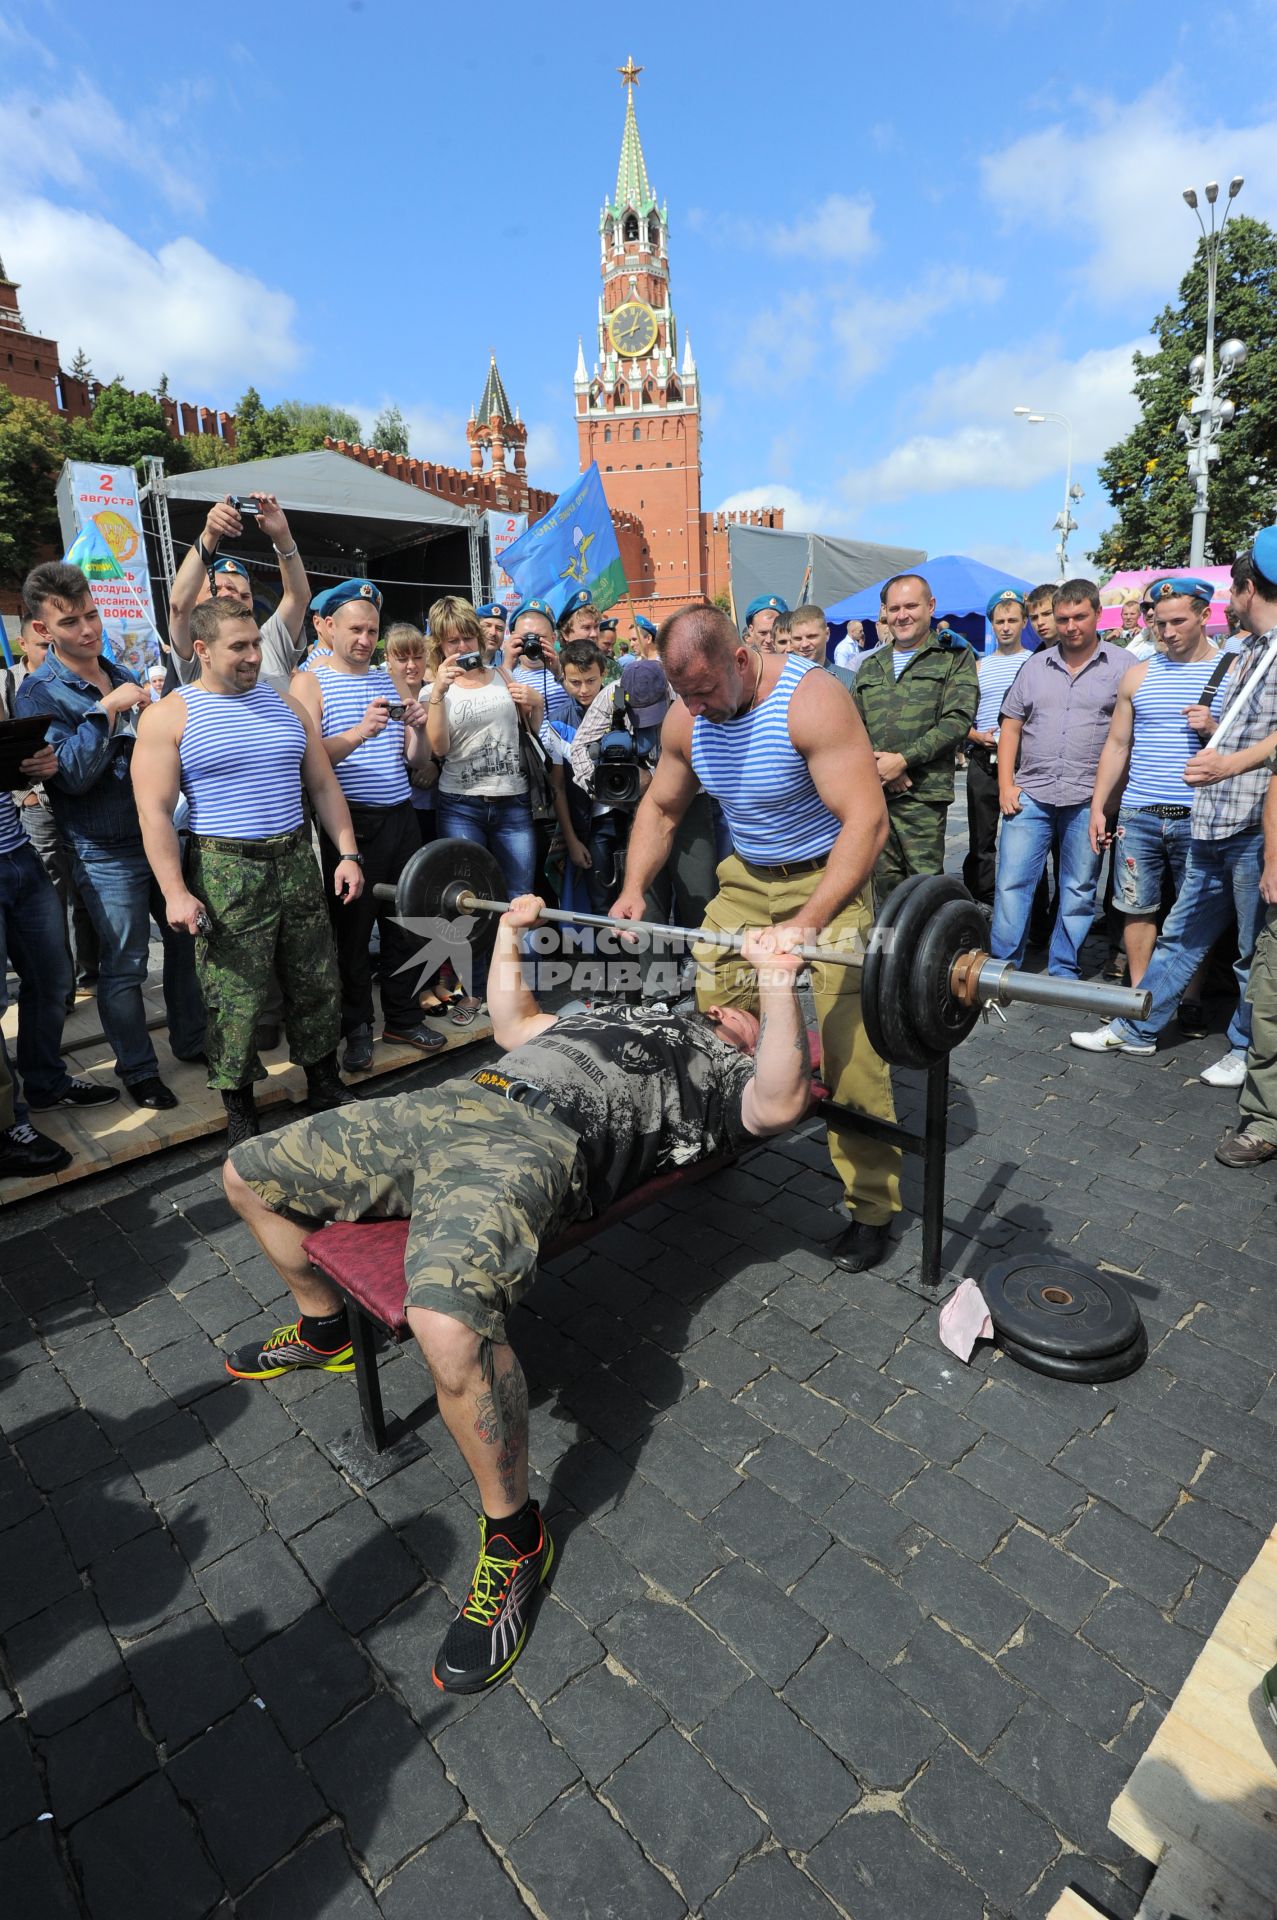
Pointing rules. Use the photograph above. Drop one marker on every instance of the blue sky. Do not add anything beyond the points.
(885, 232)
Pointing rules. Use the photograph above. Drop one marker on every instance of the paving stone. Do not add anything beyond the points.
(18, 1498)
(582, 1865)
(956, 1512)
(1054, 1765)
(33, 1878)
(879, 1869)
(384, 1782)
(141, 1584)
(965, 1597)
(858, 1603)
(601, 1719)
(300, 1487)
(358, 1564)
(159, 1322)
(770, 1533)
(1144, 1438)
(683, 1815)
(1053, 1581)
(186, 1676)
(767, 1753)
(590, 1576)
(1130, 1485)
(939, 1433)
(506, 1765)
(257, 1590)
(685, 1472)
(766, 1887)
(1084, 1877)
(770, 1633)
(251, 1798)
(871, 1457)
(101, 1512)
(315, 1883)
(244, 1420)
(22, 1795)
(957, 1687)
(723, 1363)
(170, 1455)
(65, 1450)
(1230, 1377)
(414, 1490)
(444, 1542)
(1036, 1493)
(1248, 1495)
(457, 1873)
(1215, 1536)
(1136, 1636)
(114, 1386)
(788, 1408)
(403, 1647)
(96, 1759)
(1000, 1842)
(725, 1429)
(797, 1475)
(617, 1413)
(854, 1387)
(863, 1717)
(309, 1675)
(35, 1569)
(1201, 1415)
(674, 1657)
(64, 1663)
(211, 1518)
(1205, 1601)
(1085, 1688)
(1129, 1554)
(789, 1346)
(659, 1539)
(117, 1848)
(933, 1370)
(558, 1647)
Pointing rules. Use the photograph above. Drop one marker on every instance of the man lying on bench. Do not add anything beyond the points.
(577, 1110)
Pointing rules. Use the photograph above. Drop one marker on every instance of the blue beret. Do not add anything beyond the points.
(490, 610)
(1007, 597)
(1264, 552)
(607, 624)
(763, 602)
(1182, 585)
(581, 598)
(532, 606)
(231, 566)
(645, 625)
(324, 605)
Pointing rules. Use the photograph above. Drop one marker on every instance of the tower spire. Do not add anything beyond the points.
(633, 188)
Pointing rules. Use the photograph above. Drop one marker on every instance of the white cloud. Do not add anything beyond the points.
(179, 310)
(803, 513)
(840, 228)
(79, 142)
(1110, 178)
(780, 344)
(868, 330)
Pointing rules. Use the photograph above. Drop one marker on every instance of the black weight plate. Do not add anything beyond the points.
(441, 864)
(1067, 1311)
(939, 1019)
(884, 983)
(1109, 1366)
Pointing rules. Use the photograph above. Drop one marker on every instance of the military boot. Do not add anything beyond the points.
(325, 1087)
(241, 1115)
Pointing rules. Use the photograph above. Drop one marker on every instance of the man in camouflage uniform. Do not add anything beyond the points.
(918, 700)
(577, 1110)
(241, 754)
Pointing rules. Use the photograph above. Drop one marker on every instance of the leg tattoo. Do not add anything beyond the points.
(501, 1421)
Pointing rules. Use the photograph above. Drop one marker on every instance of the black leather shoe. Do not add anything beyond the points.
(152, 1093)
(1192, 1020)
(24, 1151)
(860, 1247)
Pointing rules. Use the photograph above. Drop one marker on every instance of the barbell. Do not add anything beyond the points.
(926, 973)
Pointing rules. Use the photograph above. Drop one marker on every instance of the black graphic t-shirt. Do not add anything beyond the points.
(645, 1090)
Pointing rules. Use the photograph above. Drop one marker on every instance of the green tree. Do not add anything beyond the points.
(1146, 474)
(125, 428)
(80, 367)
(207, 450)
(294, 426)
(310, 424)
(32, 448)
(390, 431)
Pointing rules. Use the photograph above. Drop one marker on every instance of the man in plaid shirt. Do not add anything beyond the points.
(1221, 880)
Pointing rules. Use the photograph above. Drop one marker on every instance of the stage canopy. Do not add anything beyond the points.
(807, 567)
(961, 586)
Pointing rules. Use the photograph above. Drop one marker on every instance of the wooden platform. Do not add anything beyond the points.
(105, 1137)
(1201, 1804)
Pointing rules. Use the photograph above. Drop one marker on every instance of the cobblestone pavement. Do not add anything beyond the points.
(838, 1625)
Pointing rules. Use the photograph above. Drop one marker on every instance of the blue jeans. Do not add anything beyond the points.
(1027, 839)
(503, 824)
(1148, 848)
(120, 893)
(33, 933)
(1221, 887)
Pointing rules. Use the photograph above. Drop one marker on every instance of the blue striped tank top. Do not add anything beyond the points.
(1162, 740)
(761, 781)
(241, 756)
(12, 832)
(374, 775)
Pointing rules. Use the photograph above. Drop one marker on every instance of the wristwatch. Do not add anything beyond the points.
(358, 858)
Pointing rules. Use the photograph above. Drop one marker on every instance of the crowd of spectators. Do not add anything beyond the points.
(250, 811)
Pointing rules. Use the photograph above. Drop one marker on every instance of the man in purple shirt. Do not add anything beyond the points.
(1054, 724)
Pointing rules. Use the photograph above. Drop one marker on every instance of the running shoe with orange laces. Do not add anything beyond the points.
(487, 1636)
(284, 1351)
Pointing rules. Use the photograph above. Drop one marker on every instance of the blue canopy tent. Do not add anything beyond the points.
(962, 587)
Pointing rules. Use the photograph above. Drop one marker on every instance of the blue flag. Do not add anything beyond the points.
(572, 546)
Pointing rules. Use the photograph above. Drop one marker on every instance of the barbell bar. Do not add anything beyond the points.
(926, 976)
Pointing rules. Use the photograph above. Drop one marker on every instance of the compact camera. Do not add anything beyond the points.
(467, 662)
(397, 709)
(532, 649)
(246, 509)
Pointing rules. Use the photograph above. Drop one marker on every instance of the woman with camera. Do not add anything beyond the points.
(473, 719)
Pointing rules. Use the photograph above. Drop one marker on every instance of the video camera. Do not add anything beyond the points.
(618, 765)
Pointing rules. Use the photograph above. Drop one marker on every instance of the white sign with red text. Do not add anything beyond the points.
(107, 497)
(503, 530)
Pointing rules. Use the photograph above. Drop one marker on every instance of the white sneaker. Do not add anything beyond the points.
(1228, 1072)
(1105, 1040)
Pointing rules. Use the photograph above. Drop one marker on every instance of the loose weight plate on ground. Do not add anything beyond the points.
(1059, 1310)
(1106, 1366)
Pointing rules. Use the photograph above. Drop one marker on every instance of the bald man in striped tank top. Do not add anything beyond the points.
(782, 749)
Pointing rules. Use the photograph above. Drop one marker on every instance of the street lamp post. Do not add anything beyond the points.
(1209, 412)
(1064, 523)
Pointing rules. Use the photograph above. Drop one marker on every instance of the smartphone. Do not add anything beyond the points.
(398, 709)
(247, 509)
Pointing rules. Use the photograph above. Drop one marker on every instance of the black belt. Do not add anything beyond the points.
(521, 1090)
(1164, 813)
(274, 847)
(787, 870)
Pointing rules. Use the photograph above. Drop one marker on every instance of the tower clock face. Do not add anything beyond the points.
(632, 329)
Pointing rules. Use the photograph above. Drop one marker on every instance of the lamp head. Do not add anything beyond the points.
(1212, 191)
(1235, 186)
(1228, 413)
(1037, 418)
(1022, 411)
(1232, 354)
(1196, 368)
(1190, 198)
(1184, 425)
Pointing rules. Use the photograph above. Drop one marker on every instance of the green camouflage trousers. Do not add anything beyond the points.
(265, 913)
(915, 841)
(483, 1180)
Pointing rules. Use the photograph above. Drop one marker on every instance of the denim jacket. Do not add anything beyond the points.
(91, 793)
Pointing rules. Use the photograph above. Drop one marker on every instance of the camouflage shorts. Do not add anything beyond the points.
(482, 1179)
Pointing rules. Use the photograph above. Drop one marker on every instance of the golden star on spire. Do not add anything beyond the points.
(629, 72)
